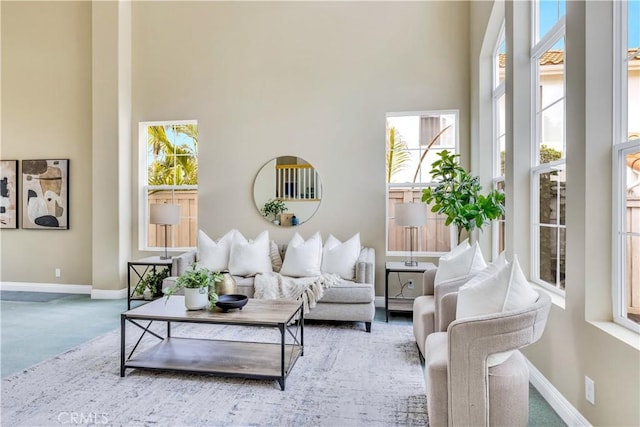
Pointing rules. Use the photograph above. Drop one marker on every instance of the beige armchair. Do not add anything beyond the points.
(461, 389)
(427, 307)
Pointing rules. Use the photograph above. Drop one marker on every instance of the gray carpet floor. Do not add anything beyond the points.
(39, 326)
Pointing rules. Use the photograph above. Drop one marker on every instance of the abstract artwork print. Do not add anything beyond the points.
(8, 194)
(45, 194)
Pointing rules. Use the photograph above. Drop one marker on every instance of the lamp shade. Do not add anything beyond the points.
(410, 214)
(164, 214)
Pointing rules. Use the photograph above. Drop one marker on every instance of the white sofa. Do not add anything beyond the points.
(348, 300)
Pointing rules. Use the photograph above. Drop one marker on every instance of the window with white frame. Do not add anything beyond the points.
(548, 174)
(499, 132)
(626, 166)
(413, 141)
(168, 173)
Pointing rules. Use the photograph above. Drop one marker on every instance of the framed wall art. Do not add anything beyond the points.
(45, 194)
(8, 194)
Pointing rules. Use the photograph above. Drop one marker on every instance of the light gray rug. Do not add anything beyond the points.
(347, 377)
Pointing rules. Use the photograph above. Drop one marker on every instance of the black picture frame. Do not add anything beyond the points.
(9, 191)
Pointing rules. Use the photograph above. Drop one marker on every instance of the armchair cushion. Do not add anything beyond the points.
(462, 262)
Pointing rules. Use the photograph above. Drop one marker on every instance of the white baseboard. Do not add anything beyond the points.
(379, 302)
(556, 400)
(46, 287)
(64, 289)
(108, 294)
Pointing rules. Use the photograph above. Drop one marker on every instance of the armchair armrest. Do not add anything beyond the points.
(182, 262)
(447, 311)
(428, 278)
(366, 266)
(440, 291)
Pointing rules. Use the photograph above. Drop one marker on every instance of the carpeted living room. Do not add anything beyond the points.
(289, 136)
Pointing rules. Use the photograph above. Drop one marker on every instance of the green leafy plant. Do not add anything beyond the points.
(195, 278)
(152, 282)
(457, 196)
(274, 207)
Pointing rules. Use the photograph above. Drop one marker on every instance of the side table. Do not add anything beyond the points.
(400, 304)
(140, 268)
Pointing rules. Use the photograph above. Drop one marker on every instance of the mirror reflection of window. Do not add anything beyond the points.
(287, 191)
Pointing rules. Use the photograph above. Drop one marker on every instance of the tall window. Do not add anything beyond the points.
(499, 132)
(169, 174)
(626, 166)
(414, 140)
(548, 177)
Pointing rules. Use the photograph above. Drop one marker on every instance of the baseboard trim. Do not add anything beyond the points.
(379, 302)
(556, 400)
(108, 294)
(64, 289)
(46, 287)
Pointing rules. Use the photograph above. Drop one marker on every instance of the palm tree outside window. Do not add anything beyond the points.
(169, 174)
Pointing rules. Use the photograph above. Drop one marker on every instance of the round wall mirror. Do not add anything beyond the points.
(287, 191)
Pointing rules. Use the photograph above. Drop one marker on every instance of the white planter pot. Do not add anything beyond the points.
(196, 298)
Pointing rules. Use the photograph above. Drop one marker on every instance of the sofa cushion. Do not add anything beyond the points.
(348, 292)
(244, 285)
(464, 261)
(340, 258)
(214, 254)
(303, 258)
(249, 257)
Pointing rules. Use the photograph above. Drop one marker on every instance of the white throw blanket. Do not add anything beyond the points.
(310, 289)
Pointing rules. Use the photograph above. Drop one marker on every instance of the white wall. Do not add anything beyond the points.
(311, 79)
(46, 113)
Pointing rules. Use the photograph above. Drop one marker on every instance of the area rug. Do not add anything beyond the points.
(347, 377)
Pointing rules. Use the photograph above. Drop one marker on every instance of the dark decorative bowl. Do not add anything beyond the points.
(229, 302)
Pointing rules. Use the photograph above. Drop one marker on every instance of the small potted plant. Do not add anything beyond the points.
(274, 207)
(195, 282)
(151, 284)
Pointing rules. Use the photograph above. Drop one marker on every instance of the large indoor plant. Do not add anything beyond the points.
(457, 196)
(195, 282)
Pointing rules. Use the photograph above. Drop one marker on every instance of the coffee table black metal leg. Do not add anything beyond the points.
(122, 342)
(282, 328)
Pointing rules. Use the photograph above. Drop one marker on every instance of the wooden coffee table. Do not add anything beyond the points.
(262, 360)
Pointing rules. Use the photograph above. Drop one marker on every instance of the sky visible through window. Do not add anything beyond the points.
(633, 26)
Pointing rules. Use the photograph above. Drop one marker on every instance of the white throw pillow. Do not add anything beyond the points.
(302, 258)
(505, 289)
(249, 257)
(489, 271)
(340, 258)
(214, 255)
(464, 261)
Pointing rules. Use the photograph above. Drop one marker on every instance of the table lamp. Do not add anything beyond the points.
(164, 214)
(411, 216)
